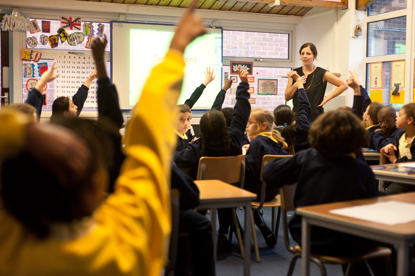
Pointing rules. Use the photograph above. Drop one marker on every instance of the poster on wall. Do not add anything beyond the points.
(74, 70)
(376, 75)
(245, 66)
(398, 74)
(267, 86)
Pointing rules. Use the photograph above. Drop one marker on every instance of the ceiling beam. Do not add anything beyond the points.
(362, 5)
(311, 3)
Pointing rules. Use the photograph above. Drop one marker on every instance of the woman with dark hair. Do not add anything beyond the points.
(315, 80)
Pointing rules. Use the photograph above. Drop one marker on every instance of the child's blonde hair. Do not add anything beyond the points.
(261, 116)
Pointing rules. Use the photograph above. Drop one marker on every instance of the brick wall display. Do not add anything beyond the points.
(387, 37)
(384, 6)
(255, 45)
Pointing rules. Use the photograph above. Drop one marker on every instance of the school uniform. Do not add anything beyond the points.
(323, 180)
(360, 103)
(182, 140)
(189, 158)
(220, 98)
(261, 145)
(108, 102)
(373, 129)
(35, 98)
(380, 141)
(303, 124)
(130, 228)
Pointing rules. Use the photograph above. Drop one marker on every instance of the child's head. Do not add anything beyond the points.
(26, 109)
(387, 118)
(183, 118)
(213, 126)
(227, 112)
(337, 133)
(406, 118)
(38, 198)
(283, 115)
(63, 107)
(371, 113)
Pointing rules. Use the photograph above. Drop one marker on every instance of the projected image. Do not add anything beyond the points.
(147, 46)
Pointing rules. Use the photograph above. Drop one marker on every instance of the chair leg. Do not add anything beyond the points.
(255, 239)
(348, 269)
(238, 232)
(292, 264)
(277, 226)
(389, 266)
(273, 219)
(320, 265)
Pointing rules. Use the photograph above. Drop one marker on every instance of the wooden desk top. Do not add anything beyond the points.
(321, 212)
(371, 155)
(221, 191)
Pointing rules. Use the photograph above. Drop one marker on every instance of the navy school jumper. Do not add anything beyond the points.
(322, 180)
(379, 139)
(189, 158)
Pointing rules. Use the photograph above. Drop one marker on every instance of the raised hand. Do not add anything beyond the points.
(294, 75)
(209, 76)
(227, 85)
(243, 75)
(47, 77)
(353, 81)
(98, 52)
(189, 28)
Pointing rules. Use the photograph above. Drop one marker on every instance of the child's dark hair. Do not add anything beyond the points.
(59, 106)
(374, 109)
(213, 126)
(23, 107)
(227, 112)
(312, 47)
(337, 133)
(183, 108)
(283, 116)
(36, 197)
(410, 111)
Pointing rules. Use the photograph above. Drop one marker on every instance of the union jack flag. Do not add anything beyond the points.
(72, 23)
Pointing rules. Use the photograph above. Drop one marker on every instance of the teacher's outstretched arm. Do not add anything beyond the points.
(341, 87)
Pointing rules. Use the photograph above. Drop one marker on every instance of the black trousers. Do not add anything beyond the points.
(198, 244)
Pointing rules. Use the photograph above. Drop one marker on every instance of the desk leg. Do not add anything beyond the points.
(213, 223)
(305, 247)
(402, 266)
(247, 239)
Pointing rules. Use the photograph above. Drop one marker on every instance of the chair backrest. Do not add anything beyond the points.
(229, 169)
(265, 159)
(287, 204)
(175, 209)
(383, 158)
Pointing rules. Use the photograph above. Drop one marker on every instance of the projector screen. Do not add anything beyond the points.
(137, 48)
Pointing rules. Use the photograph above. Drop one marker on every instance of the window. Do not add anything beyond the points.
(385, 6)
(387, 37)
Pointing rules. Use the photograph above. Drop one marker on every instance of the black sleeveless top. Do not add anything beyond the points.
(315, 89)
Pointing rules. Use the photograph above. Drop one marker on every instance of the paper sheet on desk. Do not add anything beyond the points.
(390, 212)
(410, 165)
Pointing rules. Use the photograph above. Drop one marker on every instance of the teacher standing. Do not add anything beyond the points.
(314, 80)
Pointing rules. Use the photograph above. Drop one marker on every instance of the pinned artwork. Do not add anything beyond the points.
(45, 98)
(88, 29)
(53, 41)
(36, 56)
(71, 23)
(76, 38)
(245, 66)
(43, 67)
(31, 41)
(28, 70)
(34, 27)
(30, 84)
(63, 34)
(251, 79)
(100, 32)
(43, 39)
(89, 42)
(26, 55)
(15, 24)
(251, 90)
(252, 101)
(45, 26)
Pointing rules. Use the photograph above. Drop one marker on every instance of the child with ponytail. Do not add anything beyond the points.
(264, 140)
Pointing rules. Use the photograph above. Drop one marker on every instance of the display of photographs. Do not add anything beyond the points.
(267, 86)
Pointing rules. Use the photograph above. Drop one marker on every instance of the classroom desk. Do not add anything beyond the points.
(400, 234)
(405, 178)
(372, 156)
(216, 194)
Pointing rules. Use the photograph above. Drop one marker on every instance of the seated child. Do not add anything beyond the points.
(388, 132)
(264, 140)
(325, 173)
(26, 109)
(183, 126)
(403, 147)
(59, 213)
(295, 133)
(370, 118)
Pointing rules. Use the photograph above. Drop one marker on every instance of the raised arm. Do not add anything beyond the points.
(242, 108)
(341, 87)
(217, 104)
(209, 76)
(354, 83)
